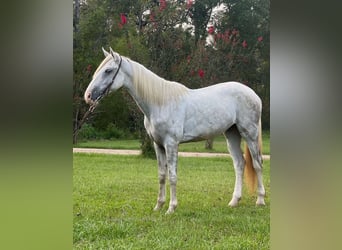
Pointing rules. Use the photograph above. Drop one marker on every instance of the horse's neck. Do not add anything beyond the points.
(144, 106)
(140, 88)
(132, 90)
(150, 91)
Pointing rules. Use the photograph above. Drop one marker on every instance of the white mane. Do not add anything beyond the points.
(154, 89)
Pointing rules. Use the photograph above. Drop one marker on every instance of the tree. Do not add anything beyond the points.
(97, 24)
(252, 19)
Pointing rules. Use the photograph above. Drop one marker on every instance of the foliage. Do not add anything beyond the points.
(184, 41)
(114, 197)
(89, 132)
(113, 131)
(147, 149)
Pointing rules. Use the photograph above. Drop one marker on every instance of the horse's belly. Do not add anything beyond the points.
(210, 111)
(202, 126)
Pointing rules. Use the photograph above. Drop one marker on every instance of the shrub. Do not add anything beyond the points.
(88, 132)
(113, 132)
(147, 149)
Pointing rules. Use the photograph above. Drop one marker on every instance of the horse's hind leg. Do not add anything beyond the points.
(233, 141)
(162, 172)
(254, 149)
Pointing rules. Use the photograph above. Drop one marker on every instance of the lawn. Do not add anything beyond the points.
(114, 196)
(220, 145)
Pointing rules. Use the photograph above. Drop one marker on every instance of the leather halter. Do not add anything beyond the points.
(106, 90)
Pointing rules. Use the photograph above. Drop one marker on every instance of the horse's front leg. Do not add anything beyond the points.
(162, 172)
(172, 159)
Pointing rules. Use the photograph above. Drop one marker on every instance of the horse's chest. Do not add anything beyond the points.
(159, 129)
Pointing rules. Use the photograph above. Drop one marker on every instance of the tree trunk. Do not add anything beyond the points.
(76, 14)
(209, 144)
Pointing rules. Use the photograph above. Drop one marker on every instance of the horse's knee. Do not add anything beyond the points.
(173, 176)
(162, 178)
(173, 179)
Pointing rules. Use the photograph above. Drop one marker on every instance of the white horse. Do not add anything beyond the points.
(174, 114)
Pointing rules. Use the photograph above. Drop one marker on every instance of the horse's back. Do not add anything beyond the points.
(228, 93)
(237, 90)
(214, 109)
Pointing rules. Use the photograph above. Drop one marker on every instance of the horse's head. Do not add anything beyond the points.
(107, 77)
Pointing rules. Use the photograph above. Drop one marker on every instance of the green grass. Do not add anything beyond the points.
(114, 197)
(115, 144)
(220, 145)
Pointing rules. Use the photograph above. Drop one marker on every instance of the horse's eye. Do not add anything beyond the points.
(108, 70)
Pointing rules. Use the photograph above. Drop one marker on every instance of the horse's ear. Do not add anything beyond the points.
(105, 52)
(114, 55)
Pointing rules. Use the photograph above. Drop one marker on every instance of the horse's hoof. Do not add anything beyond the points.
(234, 202)
(158, 206)
(170, 211)
(230, 204)
(260, 203)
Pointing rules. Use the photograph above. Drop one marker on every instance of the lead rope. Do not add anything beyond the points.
(84, 118)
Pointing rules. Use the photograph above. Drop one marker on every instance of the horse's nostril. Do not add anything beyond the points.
(87, 97)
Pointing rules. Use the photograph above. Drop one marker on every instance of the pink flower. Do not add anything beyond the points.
(188, 59)
(123, 18)
(211, 30)
(244, 44)
(201, 73)
(162, 4)
(152, 17)
(260, 38)
(189, 4)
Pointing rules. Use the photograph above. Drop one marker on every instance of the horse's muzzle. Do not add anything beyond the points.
(94, 96)
(88, 98)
